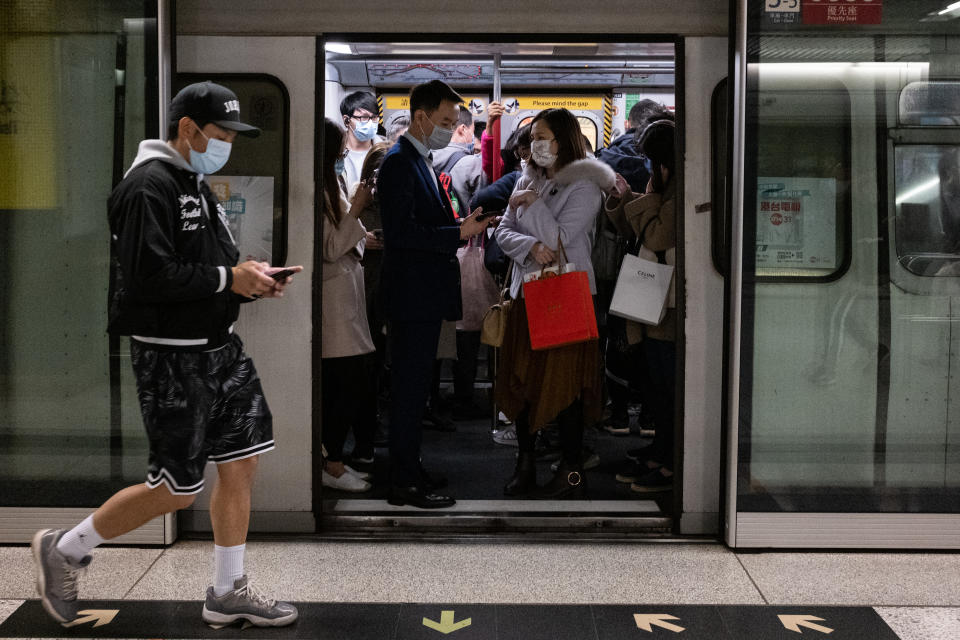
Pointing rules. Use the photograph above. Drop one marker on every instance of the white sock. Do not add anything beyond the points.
(77, 543)
(227, 567)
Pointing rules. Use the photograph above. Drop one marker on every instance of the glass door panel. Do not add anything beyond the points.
(78, 91)
(849, 285)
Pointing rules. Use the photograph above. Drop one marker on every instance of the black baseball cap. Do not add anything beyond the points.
(206, 102)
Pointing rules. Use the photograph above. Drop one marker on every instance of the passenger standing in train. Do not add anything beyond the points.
(420, 280)
(346, 348)
(460, 164)
(397, 126)
(368, 423)
(177, 295)
(622, 155)
(625, 366)
(652, 217)
(557, 199)
(360, 118)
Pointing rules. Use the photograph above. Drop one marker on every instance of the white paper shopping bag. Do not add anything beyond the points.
(641, 290)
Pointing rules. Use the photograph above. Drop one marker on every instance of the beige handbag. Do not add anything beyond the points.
(495, 319)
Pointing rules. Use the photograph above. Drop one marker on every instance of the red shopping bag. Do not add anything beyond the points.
(560, 310)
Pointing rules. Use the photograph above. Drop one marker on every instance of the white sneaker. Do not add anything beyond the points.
(503, 419)
(363, 475)
(506, 436)
(346, 482)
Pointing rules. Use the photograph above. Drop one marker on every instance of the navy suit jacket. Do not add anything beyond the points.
(420, 278)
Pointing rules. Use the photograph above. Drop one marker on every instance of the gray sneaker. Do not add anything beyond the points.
(57, 575)
(246, 602)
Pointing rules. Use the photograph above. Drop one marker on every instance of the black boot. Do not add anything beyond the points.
(567, 482)
(524, 477)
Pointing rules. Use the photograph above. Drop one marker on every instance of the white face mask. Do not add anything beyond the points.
(540, 153)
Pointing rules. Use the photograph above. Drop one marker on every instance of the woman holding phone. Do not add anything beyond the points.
(346, 349)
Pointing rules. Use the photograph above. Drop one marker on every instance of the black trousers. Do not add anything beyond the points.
(465, 366)
(661, 359)
(345, 390)
(413, 350)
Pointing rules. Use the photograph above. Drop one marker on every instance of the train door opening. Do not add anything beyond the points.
(472, 445)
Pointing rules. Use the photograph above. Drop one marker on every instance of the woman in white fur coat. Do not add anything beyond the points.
(559, 195)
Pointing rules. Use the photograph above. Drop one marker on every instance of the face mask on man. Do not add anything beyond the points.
(439, 138)
(364, 131)
(211, 160)
(540, 152)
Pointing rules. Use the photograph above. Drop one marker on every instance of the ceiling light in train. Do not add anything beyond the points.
(955, 7)
(338, 47)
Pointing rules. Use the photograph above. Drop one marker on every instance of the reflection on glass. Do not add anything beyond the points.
(928, 209)
(70, 427)
(849, 397)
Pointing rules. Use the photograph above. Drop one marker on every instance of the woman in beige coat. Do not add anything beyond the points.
(346, 346)
(652, 218)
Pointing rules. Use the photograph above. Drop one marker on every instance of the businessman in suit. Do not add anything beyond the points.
(420, 279)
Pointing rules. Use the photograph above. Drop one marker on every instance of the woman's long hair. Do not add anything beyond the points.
(657, 143)
(566, 130)
(373, 159)
(332, 146)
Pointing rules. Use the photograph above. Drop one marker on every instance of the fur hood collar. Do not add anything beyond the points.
(588, 169)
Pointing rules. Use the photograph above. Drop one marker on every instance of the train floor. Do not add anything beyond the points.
(476, 465)
(483, 590)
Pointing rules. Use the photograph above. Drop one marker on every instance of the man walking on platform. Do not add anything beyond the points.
(421, 280)
(177, 293)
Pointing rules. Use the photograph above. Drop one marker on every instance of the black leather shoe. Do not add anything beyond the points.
(418, 497)
(431, 481)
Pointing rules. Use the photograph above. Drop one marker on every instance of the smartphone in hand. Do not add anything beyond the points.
(283, 274)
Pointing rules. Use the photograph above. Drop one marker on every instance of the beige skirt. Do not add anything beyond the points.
(547, 381)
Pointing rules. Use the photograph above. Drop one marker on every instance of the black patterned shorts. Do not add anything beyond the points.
(199, 406)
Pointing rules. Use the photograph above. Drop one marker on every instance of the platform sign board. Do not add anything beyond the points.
(842, 12)
(797, 223)
(247, 203)
(781, 11)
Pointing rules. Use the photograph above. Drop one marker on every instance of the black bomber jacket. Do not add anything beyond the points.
(171, 276)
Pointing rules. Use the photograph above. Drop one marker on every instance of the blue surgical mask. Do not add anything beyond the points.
(365, 131)
(338, 166)
(648, 165)
(211, 160)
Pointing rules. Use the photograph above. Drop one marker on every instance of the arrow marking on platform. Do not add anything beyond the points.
(647, 621)
(102, 617)
(446, 624)
(793, 623)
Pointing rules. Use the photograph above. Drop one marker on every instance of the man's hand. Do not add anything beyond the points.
(494, 111)
(542, 254)
(373, 242)
(280, 285)
(250, 279)
(523, 198)
(472, 225)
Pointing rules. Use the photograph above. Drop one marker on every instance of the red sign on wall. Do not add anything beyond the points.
(842, 11)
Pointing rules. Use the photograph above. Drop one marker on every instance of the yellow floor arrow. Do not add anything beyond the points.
(446, 624)
(793, 623)
(102, 617)
(647, 621)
